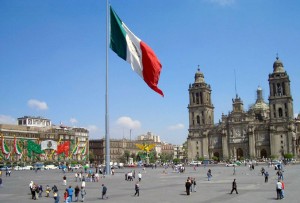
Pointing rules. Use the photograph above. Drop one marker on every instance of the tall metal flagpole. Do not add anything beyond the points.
(107, 139)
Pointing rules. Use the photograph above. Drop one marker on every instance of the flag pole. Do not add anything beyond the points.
(107, 139)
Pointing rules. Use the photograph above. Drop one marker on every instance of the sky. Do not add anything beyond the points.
(53, 60)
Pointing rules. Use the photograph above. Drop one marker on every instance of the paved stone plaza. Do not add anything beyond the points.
(159, 187)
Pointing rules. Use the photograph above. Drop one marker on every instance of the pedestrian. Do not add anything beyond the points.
(76, 193)
(188, 186)
(83, 183)
(83, 194)
(262, 171)
(234, 187)
(266, 176)
(104, 190)
(140, 176)
(40, 190)
(195, 185)
(70, 193)
(76, 176)
(33, 189)
(47, 190)
(0, 182)
(64, 180)
(137, 189)
(66, 196)
(209, 175)
(56, 197)
(234, 169)
(282, 189)
(278, 189)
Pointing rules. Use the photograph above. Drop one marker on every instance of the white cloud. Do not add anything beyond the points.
(7, 119)
(36, 104)
(222, 2)
(178, 126)
(73, 120)
(127, 122)
(92, 128)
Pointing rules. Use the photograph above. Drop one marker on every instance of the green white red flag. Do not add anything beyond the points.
(133, 50)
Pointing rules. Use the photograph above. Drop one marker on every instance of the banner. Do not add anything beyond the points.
(49, 144)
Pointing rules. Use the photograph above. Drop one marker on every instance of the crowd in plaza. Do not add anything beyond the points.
(73, 193)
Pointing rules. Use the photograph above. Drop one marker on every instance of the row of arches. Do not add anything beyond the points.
(240, 153)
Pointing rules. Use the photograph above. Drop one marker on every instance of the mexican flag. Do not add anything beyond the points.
(17, 148)
(4, 147)
(137, 53)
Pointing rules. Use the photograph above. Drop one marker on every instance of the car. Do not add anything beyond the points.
(195, 163)
(4, 168)
(231, 165)
(17, 168)
(48, 167)
(27, 167)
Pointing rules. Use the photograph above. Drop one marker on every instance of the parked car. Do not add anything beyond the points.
(195, 163)
(27, 167)
(48, 167)
(4, 168)
(17, 168)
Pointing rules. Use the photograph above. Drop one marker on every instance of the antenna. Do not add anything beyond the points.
(235, 83)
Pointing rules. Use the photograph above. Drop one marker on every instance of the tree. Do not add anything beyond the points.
(91, 157)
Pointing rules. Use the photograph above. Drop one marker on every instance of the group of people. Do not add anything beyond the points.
(68, 194)
(190, 185)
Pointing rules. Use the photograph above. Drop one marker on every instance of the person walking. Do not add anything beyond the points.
(83, 194)
(76, 193)
(104, 190)
(56, 196)
(282, 189)
(195, 185)
(278, 189)
(70, 193)
(209, 175)
(266, 176)
(140, 176)
(234, 187)
(188, 186)
(64, 180)
(137, 189)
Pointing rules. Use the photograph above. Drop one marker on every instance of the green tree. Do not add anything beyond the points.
(288, 156)
(91, 157)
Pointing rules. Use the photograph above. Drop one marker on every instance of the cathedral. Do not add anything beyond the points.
(264, 130)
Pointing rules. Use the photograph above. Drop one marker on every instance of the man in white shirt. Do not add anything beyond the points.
(278, 189)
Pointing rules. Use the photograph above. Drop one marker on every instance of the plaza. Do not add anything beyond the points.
(157, 186)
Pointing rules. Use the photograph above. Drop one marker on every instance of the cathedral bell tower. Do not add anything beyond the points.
(201, 117)
(280, 99)
(281, 111)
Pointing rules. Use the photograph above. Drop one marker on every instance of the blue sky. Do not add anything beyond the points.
(52, 60)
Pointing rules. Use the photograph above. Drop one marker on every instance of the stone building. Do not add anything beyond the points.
(262, 131)
(39, 129)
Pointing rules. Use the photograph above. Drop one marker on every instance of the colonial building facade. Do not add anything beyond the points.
(38, 129)
(262, 131)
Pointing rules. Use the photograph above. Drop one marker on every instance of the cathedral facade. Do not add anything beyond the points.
(264, 130)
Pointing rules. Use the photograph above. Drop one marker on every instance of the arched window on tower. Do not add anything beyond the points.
(193, 95)
(286, 110)
(279, 89)
(283, 89)
(203, 118)
(198, 119)
(197, 98)
(280, 112)
(201, 98)
(274, 89)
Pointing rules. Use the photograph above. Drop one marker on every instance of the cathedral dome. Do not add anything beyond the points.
(259, 104)
(199, 77)
(278, 66)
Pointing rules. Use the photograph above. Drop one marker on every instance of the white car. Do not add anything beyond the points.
(195, 163)
(231, 165)
(48, 167)
(27, 168)
(18, 168)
